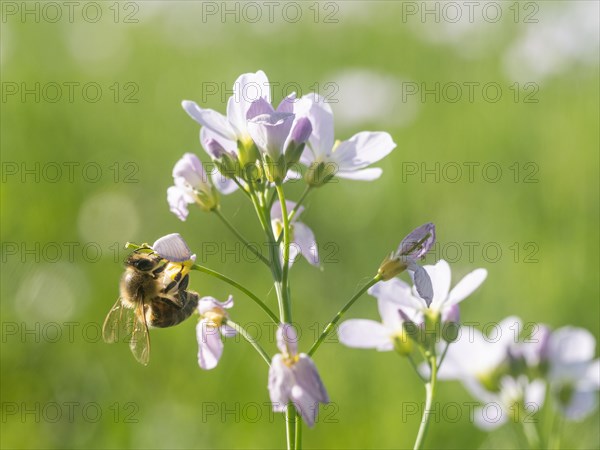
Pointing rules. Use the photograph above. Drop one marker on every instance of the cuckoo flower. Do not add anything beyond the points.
(444, 303)
(192, 185)
(278, 134)
(293, 378)
(302, 238)
(210, 330)
(573, 373)
(347, 159)
(231, 129)
(482, 364)
(414, 246)
(385, 336)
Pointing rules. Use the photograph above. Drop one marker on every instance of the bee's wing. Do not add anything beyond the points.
(140, 338)
(116, 323)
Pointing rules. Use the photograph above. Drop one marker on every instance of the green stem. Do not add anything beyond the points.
(250, 339)
(290, 426)
(414, 366)
(555, 432)
(241, 238)
(530, 431)
(237, 285)
(294, 210)
(298, 433)
(429, 394)
(285, 288)
(329, 327)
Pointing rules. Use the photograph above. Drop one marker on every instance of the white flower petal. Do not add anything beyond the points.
(223, 184)
(363, 149)
(173, 248)
(309, 379)
(248, 88)
(571, 345)
(318, 111)
(390, 314)
(490, 416)
(466, 286)
(281, 382)
(440, 276)
(369, 174)
(305, 239)
(363, 333)
(210, 345)
(210, 118)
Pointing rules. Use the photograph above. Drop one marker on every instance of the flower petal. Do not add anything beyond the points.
(210, 119)
(173, 248)
(287, 339)
(207, 135)
(364, 333)
(281, 382)
(571, 345)
(369, 174)
(363, 149)
(466, 286)
(177, 202)
(440, 276)
(248, 88)
(422, 282)
(408, 246)
(318, 111)
(490, 416)
(223, 184)
(307, 376)
(304, 238)
(210, 345)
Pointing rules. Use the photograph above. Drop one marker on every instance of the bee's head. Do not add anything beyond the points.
(143, 261)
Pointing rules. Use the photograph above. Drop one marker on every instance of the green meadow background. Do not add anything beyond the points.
(84, 173)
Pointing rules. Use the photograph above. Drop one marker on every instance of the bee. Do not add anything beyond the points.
(153, 293)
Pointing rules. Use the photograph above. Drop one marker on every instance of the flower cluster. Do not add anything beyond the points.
(256, 148)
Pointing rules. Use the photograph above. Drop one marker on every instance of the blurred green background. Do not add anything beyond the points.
(63, 232)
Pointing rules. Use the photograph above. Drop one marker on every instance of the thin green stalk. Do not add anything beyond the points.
(414, 366)
(242, 331)
(294, 210)
(290, 426)
(530, 431)
(329, 327)
(285, 288)
(241, 238)
(555, 432)
(429, 394)
(237, 285)
(298, 432)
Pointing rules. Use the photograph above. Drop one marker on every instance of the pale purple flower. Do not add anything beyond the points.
(230, 129)
(387, 335)
(444, 302)
(192, 185)
(211, 329)
(302, 237)
(173, 247)
(574, 374)
(481, 363)
(351, 157)
(413, 247)
(276, 132)
(293, 378)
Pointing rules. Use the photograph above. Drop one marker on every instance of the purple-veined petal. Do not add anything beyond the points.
(287, 104)
(362, 150)
(210, 345)
(281, 382)
(248, 88)
(318, 111)
(209, 303)
(422, 281)
(260, 107)
(190, 169)
(369, 174)
(207, 135)
(466, 286)
(177, 202)
(299, 133)
(210, 119)
(270, 131)
(407, 246)
(307, 376)
(304, 238)
(173, 248)
(364, 333)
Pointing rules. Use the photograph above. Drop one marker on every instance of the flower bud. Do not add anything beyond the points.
(391, 266)
(319, 173)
